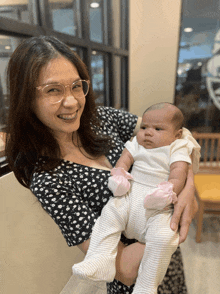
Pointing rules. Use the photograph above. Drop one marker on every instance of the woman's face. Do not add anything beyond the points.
(62, 118)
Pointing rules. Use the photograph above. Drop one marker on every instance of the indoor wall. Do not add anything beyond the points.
(154, 42)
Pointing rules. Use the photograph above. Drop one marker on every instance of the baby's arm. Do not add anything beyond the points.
(118, 183)
(167, 191)
(178, 175)
(125, 161)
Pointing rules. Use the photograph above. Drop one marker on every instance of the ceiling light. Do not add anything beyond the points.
(94, 5)
(7, 47)
(188, 30)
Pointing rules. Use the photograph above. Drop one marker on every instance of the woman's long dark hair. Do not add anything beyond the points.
(27, 137)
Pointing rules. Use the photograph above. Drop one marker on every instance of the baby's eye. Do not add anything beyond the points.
(158, 129)
(143, 128)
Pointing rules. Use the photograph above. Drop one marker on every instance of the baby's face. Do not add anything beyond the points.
(156, 129)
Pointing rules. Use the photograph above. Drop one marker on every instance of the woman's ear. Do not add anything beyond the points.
(179, 134)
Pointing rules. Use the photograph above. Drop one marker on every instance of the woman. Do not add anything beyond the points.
(62, 147)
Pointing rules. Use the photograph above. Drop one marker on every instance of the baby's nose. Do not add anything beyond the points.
(148, 132)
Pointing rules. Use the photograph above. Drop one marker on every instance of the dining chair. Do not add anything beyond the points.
(207, 180)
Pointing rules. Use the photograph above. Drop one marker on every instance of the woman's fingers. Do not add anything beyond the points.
(175, 220)
(195, 208)
(185, 222)
(182, 217)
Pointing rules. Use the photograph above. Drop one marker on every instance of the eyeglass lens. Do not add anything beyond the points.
(56, 91)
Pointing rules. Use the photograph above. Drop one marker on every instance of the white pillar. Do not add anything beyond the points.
(154, 41)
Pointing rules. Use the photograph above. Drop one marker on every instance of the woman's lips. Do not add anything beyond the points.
(68, 116)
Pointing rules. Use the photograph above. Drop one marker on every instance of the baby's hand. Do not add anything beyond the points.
(161, 197)
(118, 183)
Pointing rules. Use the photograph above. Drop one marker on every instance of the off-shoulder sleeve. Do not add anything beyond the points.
(119, 120)
(63, 203)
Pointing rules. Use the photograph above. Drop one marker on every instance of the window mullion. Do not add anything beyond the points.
(44, 15)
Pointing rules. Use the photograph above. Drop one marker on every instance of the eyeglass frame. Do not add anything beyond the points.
(40, 88)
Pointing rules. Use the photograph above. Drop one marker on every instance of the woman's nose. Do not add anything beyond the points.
(69, 99)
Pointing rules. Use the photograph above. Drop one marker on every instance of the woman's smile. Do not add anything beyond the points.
(68, 116)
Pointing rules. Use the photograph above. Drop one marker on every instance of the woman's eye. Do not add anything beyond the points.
(77, 87)
(53, 90)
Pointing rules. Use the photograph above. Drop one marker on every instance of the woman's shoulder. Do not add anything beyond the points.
(107, 112)
(119, 117)
(108, 117)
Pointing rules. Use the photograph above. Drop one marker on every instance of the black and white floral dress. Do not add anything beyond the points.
(74, 196)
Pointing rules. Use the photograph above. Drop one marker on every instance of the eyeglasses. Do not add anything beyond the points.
(56, 92)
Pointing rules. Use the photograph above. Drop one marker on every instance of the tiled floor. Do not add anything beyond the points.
(202, 260)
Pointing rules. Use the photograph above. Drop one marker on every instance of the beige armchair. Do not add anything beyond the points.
(35, 258)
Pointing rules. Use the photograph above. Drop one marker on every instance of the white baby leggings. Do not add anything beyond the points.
(161, 242)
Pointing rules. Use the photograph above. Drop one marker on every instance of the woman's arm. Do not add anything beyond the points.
(84, 246)
(127, 261)
(185, 208)
(137, 128)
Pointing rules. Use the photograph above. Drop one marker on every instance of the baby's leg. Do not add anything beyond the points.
(161, 243)
(99, 262)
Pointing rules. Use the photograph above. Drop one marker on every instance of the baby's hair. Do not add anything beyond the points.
(177, 118)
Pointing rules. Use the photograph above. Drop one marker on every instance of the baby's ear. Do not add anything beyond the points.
(179, 134)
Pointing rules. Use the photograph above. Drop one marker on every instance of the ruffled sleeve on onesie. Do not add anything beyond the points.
(132, 146)
(180, 150)
(194, 147)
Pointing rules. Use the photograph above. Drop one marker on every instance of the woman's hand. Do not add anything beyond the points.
(128, 262)
(185, 208)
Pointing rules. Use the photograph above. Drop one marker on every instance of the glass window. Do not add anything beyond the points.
(15, 9)
(96, 21)
(7, 46)
(66, 16)
(198, 74)
(97, 67)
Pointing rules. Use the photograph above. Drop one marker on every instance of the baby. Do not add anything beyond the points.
(160, 155)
